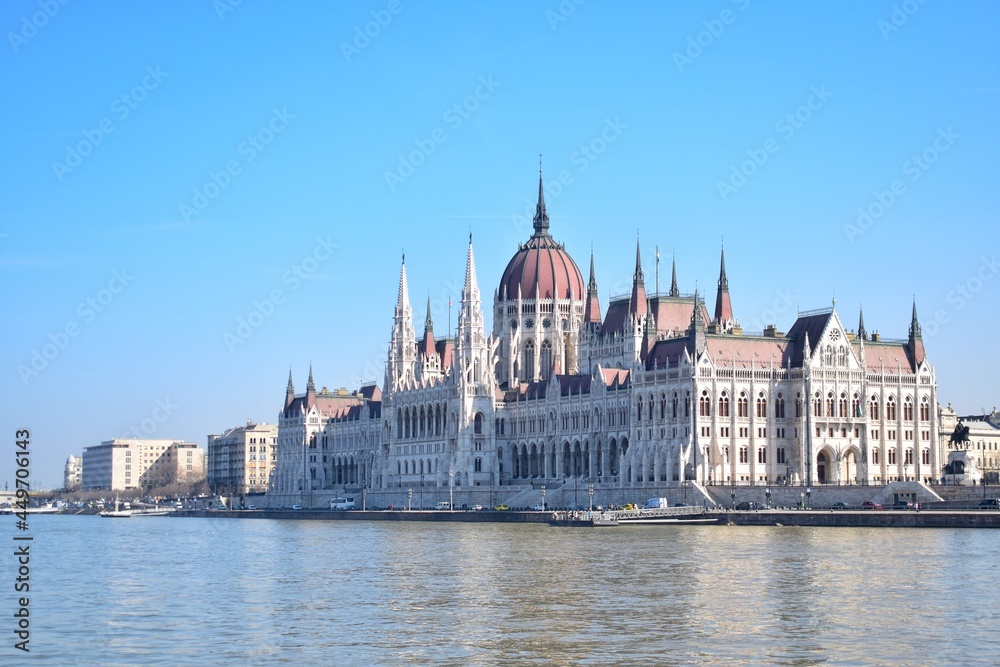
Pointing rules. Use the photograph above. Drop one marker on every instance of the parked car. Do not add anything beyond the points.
(296, 507)
(840, 505)
(501, 508)
(902, 505)
(990, 504)
(871, 505)
(537, 507)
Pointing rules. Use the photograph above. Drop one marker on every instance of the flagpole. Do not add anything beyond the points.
(657, 269)
(449, 317)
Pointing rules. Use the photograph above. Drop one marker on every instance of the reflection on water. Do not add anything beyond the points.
(197, 591)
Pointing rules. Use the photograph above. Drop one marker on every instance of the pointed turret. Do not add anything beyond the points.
(723, 307)
(862, 333)
(310, 389)
(472, 355)
(649, 335)
(403, 346)
(541, 220)
(674, 291)
(289, 389)
(427, 347)
(638, 304)
(696, 333)
(916, 341)
(592, 311)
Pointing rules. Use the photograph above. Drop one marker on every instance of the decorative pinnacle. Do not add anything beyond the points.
(541, 220)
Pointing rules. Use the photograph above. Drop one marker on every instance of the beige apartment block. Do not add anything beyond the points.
(241, 460)
(125, 464)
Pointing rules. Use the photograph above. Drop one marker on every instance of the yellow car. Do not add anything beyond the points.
(501, 508)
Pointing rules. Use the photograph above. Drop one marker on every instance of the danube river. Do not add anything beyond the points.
(170, 591)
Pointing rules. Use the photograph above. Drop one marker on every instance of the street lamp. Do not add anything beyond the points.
(590, 492)
(409, 500)
(421, 491)
(982, 482)
(543, 497)
(732, 494)
(451, 490)
(808, 495)
(364, 499)
(802, 501)
(767, 494)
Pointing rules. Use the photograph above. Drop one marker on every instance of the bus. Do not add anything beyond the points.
(343, 504)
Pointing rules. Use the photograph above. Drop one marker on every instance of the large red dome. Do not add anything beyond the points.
(542, 267)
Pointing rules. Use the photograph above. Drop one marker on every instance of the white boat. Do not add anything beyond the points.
(116, 513)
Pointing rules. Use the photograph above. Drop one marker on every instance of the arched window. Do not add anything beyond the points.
(423, 422)
(638, 410)
(873, 408)
(842, 406)
(545, 360)
(908, 409)
(818, 405)
(856, 406)
(399, 423)
(724, 405)
(529, 361)
(842, 356)
(674, 406)
(743, 406)
(779, 407)
(875, 456)
(829, 404)
(478, 423)
(704, 405)
(406, 418)
(761, 405)
(687, 404)
(890, 410)
(925, 410)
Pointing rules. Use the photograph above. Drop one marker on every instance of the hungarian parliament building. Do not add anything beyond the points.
(656, 391)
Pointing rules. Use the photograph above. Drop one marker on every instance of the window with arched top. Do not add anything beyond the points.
(842, 356)
(873, 408)
(779, 407)
(761, 405)
(890, 408)
(829, 404)
(545, 360)
(925, 410)
(742, 406)
(842, 406)
(529, 361)
(724, 404)
(908, 409)
(478, 423)
(704, 405)
(856, 406)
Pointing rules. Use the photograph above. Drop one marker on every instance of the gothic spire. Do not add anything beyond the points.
(471, 290)
(916, 342)
(862, 333)
(290, 389)
(403, 295)
(592, 311)
(637, 305)
(541, 220)
(310, 386)
(696, 334)
(724, 319)
(674, 291)
(428, 322)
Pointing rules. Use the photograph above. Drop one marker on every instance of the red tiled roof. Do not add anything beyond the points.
(542, 266)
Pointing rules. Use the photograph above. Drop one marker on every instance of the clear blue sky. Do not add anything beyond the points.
(116, 113)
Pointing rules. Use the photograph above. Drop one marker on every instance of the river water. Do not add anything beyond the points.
(171, 591)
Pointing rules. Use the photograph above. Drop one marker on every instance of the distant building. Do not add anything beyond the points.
(127, 463)
(73, 476)
(973, 441)
(242, 459)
